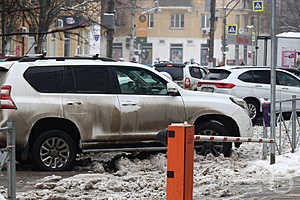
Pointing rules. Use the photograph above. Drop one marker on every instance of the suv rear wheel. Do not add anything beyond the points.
(54, 150)
(216, 148)
(253, 109)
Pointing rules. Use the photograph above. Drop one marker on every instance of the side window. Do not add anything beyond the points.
(197, 72)
(246, 77)
(287, 79)
(262, 76)
(92, 79)
(45, 79)
(140, 81)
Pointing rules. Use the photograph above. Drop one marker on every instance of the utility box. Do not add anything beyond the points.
(180, 164)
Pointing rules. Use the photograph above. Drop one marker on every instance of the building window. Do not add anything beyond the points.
(53, 45)
(31, 45)
(204, 54)
(177, 21)
(146, 54)
(67, 45)
(9, 47)
(117, 51)
(150, 21)
(205, 21)
(176, 53)
(207, 5)
(246, 20)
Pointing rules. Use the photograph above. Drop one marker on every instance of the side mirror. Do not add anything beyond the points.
(172, 89)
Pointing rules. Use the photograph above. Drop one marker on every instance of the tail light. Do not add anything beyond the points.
(5, 99)
(218, 85)
(187, 83)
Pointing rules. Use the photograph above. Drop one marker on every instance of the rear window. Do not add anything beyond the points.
(45, 79)
(176, 71)
(217, 74)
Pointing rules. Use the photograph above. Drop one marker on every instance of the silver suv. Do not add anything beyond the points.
(62, 106)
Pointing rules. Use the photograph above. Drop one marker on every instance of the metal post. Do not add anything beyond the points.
(224, 34)
(110, 32)
(265, 50)
(132, 37)
(264, 157)
(212, 33)
(11, 141)
(294, 115)
(280, 128)
(273, 80)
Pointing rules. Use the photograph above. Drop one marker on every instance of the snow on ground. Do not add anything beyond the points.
(145, 178)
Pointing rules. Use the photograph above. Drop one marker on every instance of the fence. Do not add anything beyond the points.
(9, 158)
(286, 135)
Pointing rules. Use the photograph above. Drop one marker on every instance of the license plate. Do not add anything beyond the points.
(207, 89)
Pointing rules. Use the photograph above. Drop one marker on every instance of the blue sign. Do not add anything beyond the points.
(96, 37)
(258, 5)
(232, 29)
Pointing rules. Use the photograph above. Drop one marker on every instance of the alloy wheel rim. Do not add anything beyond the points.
(252, 111)
(216, 148)
(54, 152)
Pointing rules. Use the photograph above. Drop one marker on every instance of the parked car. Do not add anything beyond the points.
(292, 70)
(185, 75)
(62, 106)
(251, 84)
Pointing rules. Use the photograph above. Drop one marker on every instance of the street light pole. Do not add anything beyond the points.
(211, 62)
(132, 37)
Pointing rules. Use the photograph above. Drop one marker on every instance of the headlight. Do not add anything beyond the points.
(239, 102)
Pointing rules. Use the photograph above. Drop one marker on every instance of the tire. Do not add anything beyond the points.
(47, 157)
(253, 108)
(216, 148)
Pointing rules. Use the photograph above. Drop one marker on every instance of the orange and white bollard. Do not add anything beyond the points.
(180, 164)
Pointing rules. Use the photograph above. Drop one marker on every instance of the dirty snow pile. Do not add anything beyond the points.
(137, 178)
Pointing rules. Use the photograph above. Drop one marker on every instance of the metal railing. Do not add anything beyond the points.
(287, 135)
(9, 158)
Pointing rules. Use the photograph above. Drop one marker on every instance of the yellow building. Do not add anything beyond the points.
(178, 30)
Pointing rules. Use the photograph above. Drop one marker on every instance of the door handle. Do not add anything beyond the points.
(128, 103)
(258, 86)
(285, 88)
(70, 103)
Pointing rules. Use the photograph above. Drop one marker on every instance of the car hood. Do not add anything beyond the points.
(203, 103)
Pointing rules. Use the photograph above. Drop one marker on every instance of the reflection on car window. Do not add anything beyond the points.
(287, 80)
(217, 74)
(197, 72)
(262, 76)
(140, 81)
(246, 77)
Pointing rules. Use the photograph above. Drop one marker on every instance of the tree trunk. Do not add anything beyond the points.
(3, 28)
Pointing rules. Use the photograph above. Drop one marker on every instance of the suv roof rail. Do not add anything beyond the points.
(42, 57)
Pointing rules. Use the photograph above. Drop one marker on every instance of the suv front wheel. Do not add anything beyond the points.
(216, 148)
(54, 150)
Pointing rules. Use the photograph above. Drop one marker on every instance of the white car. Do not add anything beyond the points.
(186, 75)
(251, 84)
